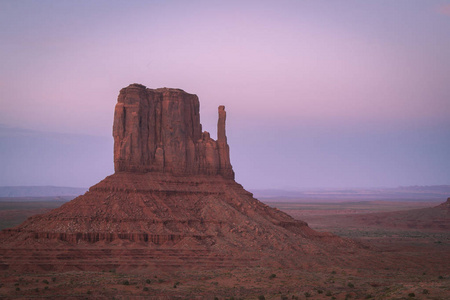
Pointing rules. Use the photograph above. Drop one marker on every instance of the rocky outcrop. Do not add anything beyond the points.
(172, 202)
(159, 130)
(445, 205)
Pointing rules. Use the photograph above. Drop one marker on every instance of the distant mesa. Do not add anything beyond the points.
(445, 205)
(40, 191)
(430, 219)
(172, 202)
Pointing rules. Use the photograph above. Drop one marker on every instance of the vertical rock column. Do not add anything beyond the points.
(130, 129)
(225, 168)
(221, 134)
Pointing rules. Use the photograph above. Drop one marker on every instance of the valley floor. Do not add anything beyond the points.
(425, 276)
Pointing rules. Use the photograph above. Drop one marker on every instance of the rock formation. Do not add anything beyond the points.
(172, 202)
(159, 131)
(445, 205)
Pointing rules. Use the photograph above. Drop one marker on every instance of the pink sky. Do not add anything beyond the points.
(341, 68)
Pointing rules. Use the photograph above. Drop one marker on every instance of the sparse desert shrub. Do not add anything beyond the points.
(54, 279)
(148, 281)
(215, 298)
(350, 285)
(284, 297)
(17, 289)
(261, 297)
(88, 292)
(46, 288)
(145, 289)
(368, 296)
(319, 291)
(333, 272)
(36, 290)
(425, 292)
(307, 294)
(126, 282)
(441, 277)
(45, 281)
(411, 295)
(272, 276)
(160, 280)
(328, 293)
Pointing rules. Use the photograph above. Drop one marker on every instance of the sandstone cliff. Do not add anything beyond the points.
(172, 202)
(159, 130)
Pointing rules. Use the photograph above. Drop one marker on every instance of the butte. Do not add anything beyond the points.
(172, 202)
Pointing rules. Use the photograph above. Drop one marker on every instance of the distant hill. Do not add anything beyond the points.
(410, 193)
(429, 219)
(39, 191)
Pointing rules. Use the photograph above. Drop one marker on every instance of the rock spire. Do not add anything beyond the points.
(159, 130)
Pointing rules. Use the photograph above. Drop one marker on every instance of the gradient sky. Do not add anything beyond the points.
(318, 93)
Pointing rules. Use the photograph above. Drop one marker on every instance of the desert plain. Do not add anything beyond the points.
(410, 241)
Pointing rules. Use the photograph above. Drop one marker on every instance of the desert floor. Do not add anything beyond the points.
(421, 268)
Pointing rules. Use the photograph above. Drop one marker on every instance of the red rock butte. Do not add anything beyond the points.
(159, 131)
(172, 202)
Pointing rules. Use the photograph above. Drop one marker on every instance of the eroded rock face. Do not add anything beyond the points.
(171, 203)
(159, 130)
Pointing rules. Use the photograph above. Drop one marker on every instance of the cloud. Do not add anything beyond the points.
(444, 9)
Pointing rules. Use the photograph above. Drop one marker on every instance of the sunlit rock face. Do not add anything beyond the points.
(159, 130)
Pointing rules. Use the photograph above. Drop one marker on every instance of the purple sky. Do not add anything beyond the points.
(318, 93)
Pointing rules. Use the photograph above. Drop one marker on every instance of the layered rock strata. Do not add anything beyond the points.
(172, 202)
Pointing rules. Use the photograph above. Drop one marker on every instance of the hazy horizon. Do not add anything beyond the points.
(318, 94)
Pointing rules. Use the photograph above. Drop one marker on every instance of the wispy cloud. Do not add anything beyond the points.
(444, 9)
